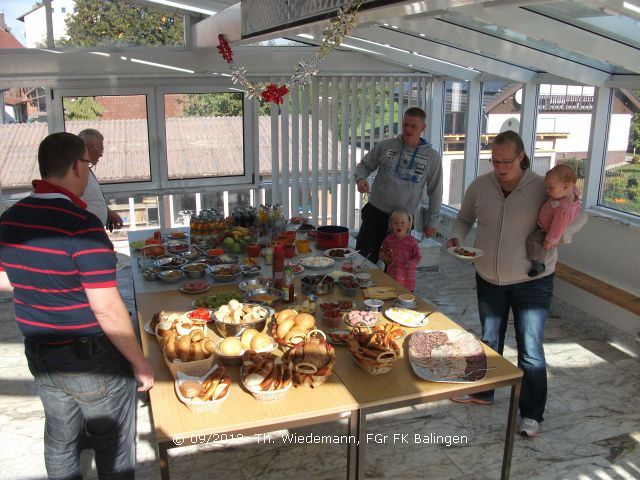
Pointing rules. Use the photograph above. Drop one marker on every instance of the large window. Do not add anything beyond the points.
(620, 188)
(23, 125)
(122, 120)
(456, 107)
(204, 134)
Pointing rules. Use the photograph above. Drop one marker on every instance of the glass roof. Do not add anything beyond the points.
(503, 33)
(597, 19)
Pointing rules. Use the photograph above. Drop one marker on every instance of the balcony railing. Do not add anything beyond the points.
(566, 103)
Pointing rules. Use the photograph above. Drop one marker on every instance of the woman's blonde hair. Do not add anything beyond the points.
(401, 213)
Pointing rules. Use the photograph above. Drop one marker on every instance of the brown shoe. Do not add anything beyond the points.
(471, 399)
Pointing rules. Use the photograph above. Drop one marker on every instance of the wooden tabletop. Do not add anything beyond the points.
(241, 412)
(350, 388)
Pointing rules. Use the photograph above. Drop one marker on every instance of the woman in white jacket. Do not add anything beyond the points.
(505, 204)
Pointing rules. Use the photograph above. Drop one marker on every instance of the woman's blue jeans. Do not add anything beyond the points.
(529, 302)
(96, 395)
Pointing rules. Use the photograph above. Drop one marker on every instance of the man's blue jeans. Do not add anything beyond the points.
(97, 395)
(529, 302)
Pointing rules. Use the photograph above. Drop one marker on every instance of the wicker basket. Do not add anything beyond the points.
(384, 361)
(266, 395)
(306, 373)
(195, 368)
(282, 344)
(195, 406)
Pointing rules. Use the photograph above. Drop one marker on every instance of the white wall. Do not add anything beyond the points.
(608, 250)
(35, 23)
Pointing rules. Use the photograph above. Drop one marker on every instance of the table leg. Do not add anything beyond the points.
(353, 450)
(511, 431)
(164, 461)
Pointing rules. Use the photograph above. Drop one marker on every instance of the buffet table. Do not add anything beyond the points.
(351, 393)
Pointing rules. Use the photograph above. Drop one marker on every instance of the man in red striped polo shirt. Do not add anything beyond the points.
(79, 338)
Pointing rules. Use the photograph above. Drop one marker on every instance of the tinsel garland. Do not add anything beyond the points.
(339, 28)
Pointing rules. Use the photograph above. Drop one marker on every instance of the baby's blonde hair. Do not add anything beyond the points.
(401, 213)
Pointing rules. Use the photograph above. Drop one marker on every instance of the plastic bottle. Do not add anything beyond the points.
(278, 266)
(288, 290)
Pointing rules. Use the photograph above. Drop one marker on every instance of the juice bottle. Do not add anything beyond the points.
(288, 291)
(278, 266)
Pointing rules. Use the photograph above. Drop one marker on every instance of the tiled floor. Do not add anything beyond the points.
(591, 428)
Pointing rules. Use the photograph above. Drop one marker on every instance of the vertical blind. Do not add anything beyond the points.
(320, 133)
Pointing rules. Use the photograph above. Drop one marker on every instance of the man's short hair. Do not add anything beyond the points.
(58, 152)
(416, 112)
(91, 134)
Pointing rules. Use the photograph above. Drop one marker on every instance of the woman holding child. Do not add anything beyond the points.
(505, 203)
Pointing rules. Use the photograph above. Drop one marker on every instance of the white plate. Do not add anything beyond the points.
(406, 317)
(333, 341)
(183, 290)
(453, 337)
(298, 268)
(477, 251)
(427, 374)
(317, 263)
(147, 328)
(411, 306)
(336, 274)
(348, 253)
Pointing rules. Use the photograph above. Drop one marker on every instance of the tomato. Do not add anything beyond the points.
(200, 314)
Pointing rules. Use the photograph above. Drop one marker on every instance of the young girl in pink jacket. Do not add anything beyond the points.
(561, 209)
(400, 251)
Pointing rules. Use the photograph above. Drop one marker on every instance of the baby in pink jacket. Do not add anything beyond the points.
(400, 251)
(561, 208)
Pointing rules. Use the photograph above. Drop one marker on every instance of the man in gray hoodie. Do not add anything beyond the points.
(406, 167)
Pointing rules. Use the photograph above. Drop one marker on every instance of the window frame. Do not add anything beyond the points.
(160, 184)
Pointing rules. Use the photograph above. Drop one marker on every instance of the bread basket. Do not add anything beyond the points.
(196, 406)
(311, 360)
(372, 351)
(276, 379)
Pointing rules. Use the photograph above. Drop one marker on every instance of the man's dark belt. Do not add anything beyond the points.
(84, 346)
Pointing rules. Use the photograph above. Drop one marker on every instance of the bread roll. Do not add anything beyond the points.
(183, 348)
(208, 347)
(191, 389)
(170, 347)
(196, 351)
(260, 340)
(197, 335)
(284, 327)
(305, 320)
(231, 346)
(253, 380)
(284, 315)
(298, 328)
(294, 337)
(246, 337)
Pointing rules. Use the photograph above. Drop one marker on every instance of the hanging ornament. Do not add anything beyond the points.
(334, 34)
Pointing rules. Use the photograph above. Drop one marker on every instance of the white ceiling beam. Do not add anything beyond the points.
(204, 34)
(560, 33)
(178, 63)
(404, 58)
(509, 52)
(446, 53)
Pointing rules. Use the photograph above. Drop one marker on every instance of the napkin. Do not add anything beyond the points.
(381, 293)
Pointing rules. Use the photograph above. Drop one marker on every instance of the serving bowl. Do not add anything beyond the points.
(228, 329)
(224, 272)
(194, 270)
(265, 296)
(255, 282)
(151, 273)
(251, 271)
(177, 247)
(171, 261)
(171, 276)
(311, 284)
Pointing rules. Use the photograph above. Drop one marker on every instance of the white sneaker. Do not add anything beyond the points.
(529, 427)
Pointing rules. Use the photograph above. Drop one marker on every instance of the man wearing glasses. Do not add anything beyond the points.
(93, 195)
(79, 340)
